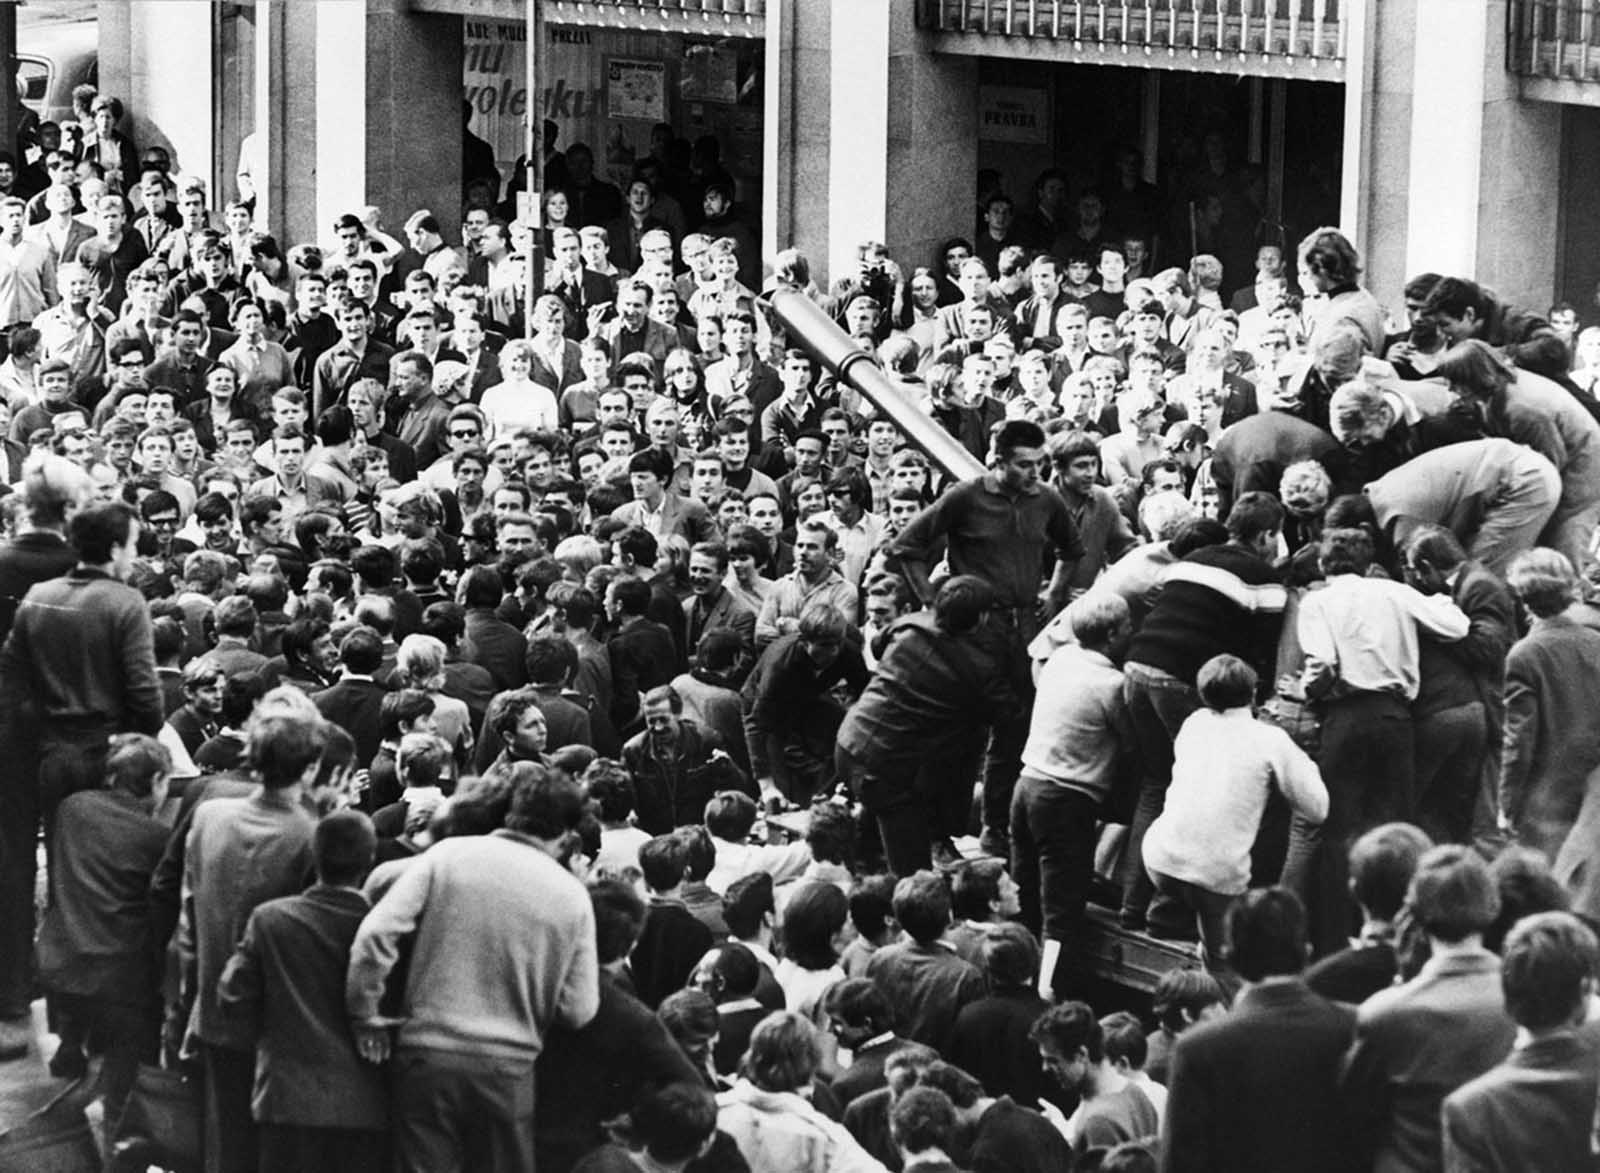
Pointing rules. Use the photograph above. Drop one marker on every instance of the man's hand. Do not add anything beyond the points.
(375, 1038)
(1056, 1117)
(1052, 602)
(772, 799)
(597, 316)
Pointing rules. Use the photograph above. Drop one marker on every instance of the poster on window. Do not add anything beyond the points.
(636, 89)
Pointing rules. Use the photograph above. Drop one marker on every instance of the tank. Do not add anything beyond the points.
(820, 336)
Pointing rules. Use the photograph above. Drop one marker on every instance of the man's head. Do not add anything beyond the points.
(1548, 966)
(1452, 896)
(1070, 1043)
(1266, 931)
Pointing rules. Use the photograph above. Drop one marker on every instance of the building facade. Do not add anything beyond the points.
(1456, 136)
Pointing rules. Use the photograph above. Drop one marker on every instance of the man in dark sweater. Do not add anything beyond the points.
(1382, 863)
(594, 1074)
(38, 553)
(990, 1040)
(1220, 599)
(924, 980)
(672, 938)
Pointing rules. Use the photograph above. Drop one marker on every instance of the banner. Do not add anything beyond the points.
(495, 83)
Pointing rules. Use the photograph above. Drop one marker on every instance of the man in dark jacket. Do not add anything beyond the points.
(1257, 1088)
(355, 703)
(1220, 599)
(643, 654)
(672, 939)
(37, 554)
(286, 980)
(935, 689)
(1463, 309)
(676, 765)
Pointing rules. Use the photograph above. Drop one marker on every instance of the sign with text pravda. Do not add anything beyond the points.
(1012, 114)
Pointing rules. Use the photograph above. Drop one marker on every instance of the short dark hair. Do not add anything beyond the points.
(632, 595)
(872, 904)
(1267, 934)
(747, 900)
(1182, 994)
(94, 531)
(344, 845)
(544, 803)
(1010, 956)
(859, 1003)
(1122, 1037)
(1382, 863)
(664, 860)
(1452, 894)
(812, 917)
(361, 651)
(1014, 434)
(1253, 515)
(551, 660)
(922, 1118)
(618, 918)
(674, 1121)
(1068, 1027)
(1546, 964)
(282, 748)
(961, 603)
(922, 906)
(730, 814)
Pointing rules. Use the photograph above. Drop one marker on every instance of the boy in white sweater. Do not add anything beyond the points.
(1225, 763)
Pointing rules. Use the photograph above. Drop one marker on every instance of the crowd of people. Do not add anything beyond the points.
(578, 732)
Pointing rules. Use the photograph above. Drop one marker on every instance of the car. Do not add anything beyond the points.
(53, 57)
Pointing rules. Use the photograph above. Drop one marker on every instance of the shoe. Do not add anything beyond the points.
(945, 855)
(16, 1037)
(69, 1062)
(995, 843)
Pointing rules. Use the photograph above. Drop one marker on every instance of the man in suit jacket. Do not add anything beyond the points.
(1256, 1088)
(286, 979)
(62, 234)
(657, 508)
(356, 702)
(579, 289)
(713, 607)
(1417, 1043)
(1535, 1110)
(556, 358)
(1253, 453)
(490, 641)
(1495, 495)
(643, 654)
(1209, 395)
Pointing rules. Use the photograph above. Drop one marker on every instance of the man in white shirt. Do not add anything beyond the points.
(1361, 640)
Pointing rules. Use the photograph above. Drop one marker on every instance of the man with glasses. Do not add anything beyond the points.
(464, 432)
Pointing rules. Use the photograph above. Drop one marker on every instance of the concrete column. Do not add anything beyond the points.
(340, 123)
(413, 120)
(160, 57)
(1447, 122)
(932, 143)
(777, 127)
(1518, 216)
(858, 152)
(1377, 163)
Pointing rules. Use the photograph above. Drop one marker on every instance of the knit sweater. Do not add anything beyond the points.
(503, 946)
(1222, 599)
(1225, 764)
